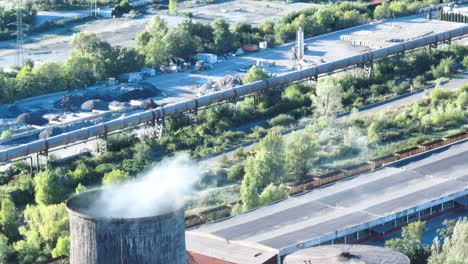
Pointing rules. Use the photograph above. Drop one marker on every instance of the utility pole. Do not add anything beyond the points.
(20, 26)
(93, 7)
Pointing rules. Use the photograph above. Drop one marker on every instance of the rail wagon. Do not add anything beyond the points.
(193, 220)
(408, 152)
(378, 162)
(456, 137)
(356, 169)
(432, 145)
(306, 184)
(328, 177)
(220, 211)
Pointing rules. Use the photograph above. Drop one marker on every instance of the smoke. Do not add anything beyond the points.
(160, 190)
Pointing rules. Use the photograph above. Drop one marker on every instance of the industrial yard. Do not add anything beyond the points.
(345, 212)
(184, 85)
(233, 132)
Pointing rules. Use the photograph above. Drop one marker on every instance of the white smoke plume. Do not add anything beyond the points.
(160, 190)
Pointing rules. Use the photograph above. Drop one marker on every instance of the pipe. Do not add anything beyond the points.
(192, 104)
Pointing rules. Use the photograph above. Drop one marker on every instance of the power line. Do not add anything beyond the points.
(19, 33)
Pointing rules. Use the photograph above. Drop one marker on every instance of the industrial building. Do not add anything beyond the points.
(343, 254)
(350, 211)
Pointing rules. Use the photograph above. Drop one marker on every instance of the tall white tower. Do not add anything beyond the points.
(300, 44)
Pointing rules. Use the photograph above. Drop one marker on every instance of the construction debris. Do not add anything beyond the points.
(227, 82)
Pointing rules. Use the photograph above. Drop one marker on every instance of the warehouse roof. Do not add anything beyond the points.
(334, 208)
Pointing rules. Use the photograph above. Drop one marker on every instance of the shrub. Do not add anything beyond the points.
(6, 134)
(114, 177)
(281, 120)
(236, 172)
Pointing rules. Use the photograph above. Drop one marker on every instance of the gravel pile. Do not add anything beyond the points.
(35, 119)
(69, 102)
(227, 82)
(91, 105)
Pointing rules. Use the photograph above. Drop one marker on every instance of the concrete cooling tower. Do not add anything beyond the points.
(97, 238)
(346, 254)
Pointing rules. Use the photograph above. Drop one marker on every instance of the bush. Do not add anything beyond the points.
(116, 176)
(236, 172)
(444, 68)
(273, 193)
(281, 120)
(6, 134)
(119, 141)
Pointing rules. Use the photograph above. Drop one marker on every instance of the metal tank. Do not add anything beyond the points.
(343, 254)
(96, 239)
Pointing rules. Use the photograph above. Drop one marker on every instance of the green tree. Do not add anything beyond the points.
(254, 74)
(328, 98)
(80, 188)
(63, 246)
(410, 242)
(223, 38)
(5, 249)
(236, 172)
(273, 193)
(382, 11)
(300, 153)
(44, 226)
(180, 43)
(49, 188)
(116, 176)
(249, 189)
(173, 7)
(454, 248)
(9, 218)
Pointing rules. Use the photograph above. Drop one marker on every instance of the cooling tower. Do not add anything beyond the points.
(98, 239)
(342, 254)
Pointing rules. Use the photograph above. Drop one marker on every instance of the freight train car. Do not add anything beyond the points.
(456, 137)
(408, 152)
(378, 162)
(328, 177)
(432, 145)
(356, 169)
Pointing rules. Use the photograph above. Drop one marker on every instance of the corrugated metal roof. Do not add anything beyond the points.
(337, 207)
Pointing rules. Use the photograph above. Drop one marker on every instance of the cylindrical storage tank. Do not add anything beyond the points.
(97, 239)
(342, 254)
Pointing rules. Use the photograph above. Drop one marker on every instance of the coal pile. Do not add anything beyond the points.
(91, 105)
(138, 91)
(69, 102)
(35, 119)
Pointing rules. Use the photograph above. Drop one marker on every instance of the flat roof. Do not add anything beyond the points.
(334, 208)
